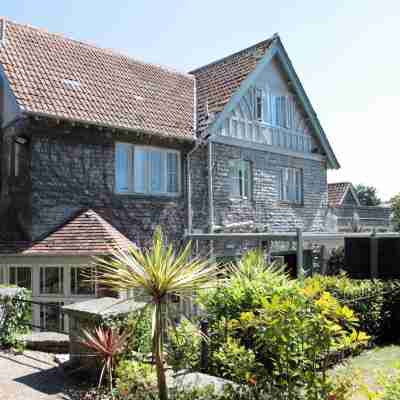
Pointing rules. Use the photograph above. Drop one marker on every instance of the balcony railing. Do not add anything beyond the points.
(265, 133)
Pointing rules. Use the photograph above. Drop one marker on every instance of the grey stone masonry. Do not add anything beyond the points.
(265, 207)
(77, 170)
(66, 168)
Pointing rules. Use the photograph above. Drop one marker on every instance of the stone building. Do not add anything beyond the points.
(87, 133)
(352, 215)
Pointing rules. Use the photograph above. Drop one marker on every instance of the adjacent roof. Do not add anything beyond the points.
(86, 233)
(66, 79)
(337, 193)
(218, 81)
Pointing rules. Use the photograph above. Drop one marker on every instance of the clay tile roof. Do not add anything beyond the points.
(336, 193)
(66, 79)
(218, 81)
(86, 233)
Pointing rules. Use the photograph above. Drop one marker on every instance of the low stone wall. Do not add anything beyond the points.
(87, 315)
(49, 342)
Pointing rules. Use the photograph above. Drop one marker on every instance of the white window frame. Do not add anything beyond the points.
(61, 280)
(259, 104)
(130, 174)
(43, 320)
(245, 187)
(291, 185)
(17, 281)
(74, 288)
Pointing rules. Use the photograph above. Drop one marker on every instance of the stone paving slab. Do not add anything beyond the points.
(31, 376)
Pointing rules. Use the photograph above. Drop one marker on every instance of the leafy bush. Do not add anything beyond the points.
(184, 346)
(235, 361)
(136, 380)
(373, 302)
(14, 315)
(139, 324)
(336, 261)
(270, 328)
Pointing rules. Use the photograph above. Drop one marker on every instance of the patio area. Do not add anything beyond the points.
(32, 375)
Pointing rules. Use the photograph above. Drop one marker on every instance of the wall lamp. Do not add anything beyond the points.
(21, 140)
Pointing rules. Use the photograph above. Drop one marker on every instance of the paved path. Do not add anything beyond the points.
(30, 376)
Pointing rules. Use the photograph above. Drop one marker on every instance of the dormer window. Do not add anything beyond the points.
(259, 104)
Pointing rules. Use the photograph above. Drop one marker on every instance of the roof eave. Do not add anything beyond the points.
(107, 125)
(277, 48)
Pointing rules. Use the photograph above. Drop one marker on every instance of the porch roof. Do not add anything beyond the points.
(85, 233)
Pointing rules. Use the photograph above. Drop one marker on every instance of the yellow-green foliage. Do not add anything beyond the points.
(289, 327)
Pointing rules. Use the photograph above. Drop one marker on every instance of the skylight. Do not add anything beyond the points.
(72, 83)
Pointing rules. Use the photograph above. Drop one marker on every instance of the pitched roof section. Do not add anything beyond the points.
(217, 82)
(86, 233)
(67, 79)
(337, 193)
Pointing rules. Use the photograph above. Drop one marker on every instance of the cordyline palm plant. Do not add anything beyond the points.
(107, 343)
(158, 272)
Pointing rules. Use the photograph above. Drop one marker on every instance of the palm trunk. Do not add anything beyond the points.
(158, 352)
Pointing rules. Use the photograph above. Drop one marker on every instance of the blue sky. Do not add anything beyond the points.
(345, 52)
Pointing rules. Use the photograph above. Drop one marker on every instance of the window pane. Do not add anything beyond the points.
(140, 170)
(247, 179)
(122, 165)
(21, 276)
(259, 104)
(156, 169)
(51, 280)
(291, 185)
(299, 191)
(172, 174)
(240, 178)
(51, 318)
(79, 284)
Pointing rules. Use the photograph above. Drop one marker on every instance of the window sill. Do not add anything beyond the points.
(163, 197)
(240, 199)
(290, 204)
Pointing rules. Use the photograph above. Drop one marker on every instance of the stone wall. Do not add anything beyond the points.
(70, 168)
(76, 171)
(15, 188)
(265, 207)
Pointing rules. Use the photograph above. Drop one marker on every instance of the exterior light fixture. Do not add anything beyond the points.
(21, 140)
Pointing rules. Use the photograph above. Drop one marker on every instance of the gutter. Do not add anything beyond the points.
(106, 125)
(189, 181)
(210, 186)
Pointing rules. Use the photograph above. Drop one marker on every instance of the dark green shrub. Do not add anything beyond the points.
(336, 261)
(184, 346)
(15, 315)
(139, 323)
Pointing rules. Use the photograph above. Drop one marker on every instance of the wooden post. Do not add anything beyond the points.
(300, 246)
(323, 260)
(373, 252)
(204, 346)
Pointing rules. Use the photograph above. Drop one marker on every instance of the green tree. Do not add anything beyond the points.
(157, 272)
(396, 212)
(367, 195)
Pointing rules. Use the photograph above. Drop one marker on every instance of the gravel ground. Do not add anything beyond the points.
(32, 376)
